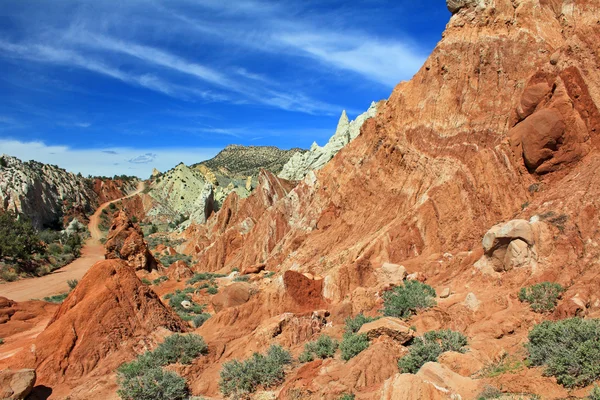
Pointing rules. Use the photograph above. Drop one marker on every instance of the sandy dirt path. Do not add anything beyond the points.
(56, 282)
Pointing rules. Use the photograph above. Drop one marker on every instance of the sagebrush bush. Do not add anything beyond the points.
(72, 283)
(200, 319)
(347, 396)
(152, 384)
(144, 378)
(594, 393)
(353, 325)
(203, 276)
(569, 349)
(323, 347)
(542, 297)
(429, 347)
(404, 301)
(240, 378)
(353, 344)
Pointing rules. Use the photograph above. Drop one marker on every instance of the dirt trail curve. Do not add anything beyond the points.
(56, 282)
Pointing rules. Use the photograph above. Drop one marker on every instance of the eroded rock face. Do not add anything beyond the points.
(109, 315)
(455, 6)
(316, 158)
(42, 192)
(125, 241)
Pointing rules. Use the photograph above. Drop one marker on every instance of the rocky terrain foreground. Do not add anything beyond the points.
(474, 181)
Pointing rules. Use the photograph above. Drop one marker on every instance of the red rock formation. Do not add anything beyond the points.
(112, 189)
(500, 123)
(125, 240)
(104, 321)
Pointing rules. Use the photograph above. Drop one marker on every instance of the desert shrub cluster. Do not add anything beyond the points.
(569, 350)
(241, 378)
(406, 300)
(323, 347)
(145, 379)
(429, 347)
(542, 297)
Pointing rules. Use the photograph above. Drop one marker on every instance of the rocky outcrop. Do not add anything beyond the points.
(16, 385)
(301, 163)
(182, 191)
(45, 193)
(125, 241)
(393, 328)
(509, 245)
(103, 321)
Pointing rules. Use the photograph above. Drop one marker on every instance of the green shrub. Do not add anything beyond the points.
(200, 319)
(203, 276)
(1, 341)
(240, 378)
(54, 249)
(212, 290)
(353, 344)
(594, 393)
(152, 384)
(242, 278)
(489, 392)
(404, 301)
(347, 396)
(323, 347)
(569, 349)
(59, 298)
(8, 274)
(429, 347)
(353, 325)
(542, 296)
(160, 280)
(180, 349)
(143, 378)
(146, 281)
(72, 283)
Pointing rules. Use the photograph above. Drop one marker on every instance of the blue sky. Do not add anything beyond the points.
(121, 86)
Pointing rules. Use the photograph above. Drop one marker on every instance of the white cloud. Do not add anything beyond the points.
(106, 162)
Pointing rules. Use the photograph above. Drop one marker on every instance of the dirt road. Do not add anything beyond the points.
(56, 282)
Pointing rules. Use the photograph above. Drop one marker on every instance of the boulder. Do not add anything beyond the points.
(233, 295)
(16, 385)
(393, 274)
(517, 255)
(509, 245)
(504, 233)
(392, 327)
(471, 302)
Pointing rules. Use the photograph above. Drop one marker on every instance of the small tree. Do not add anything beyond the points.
(18, 239)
